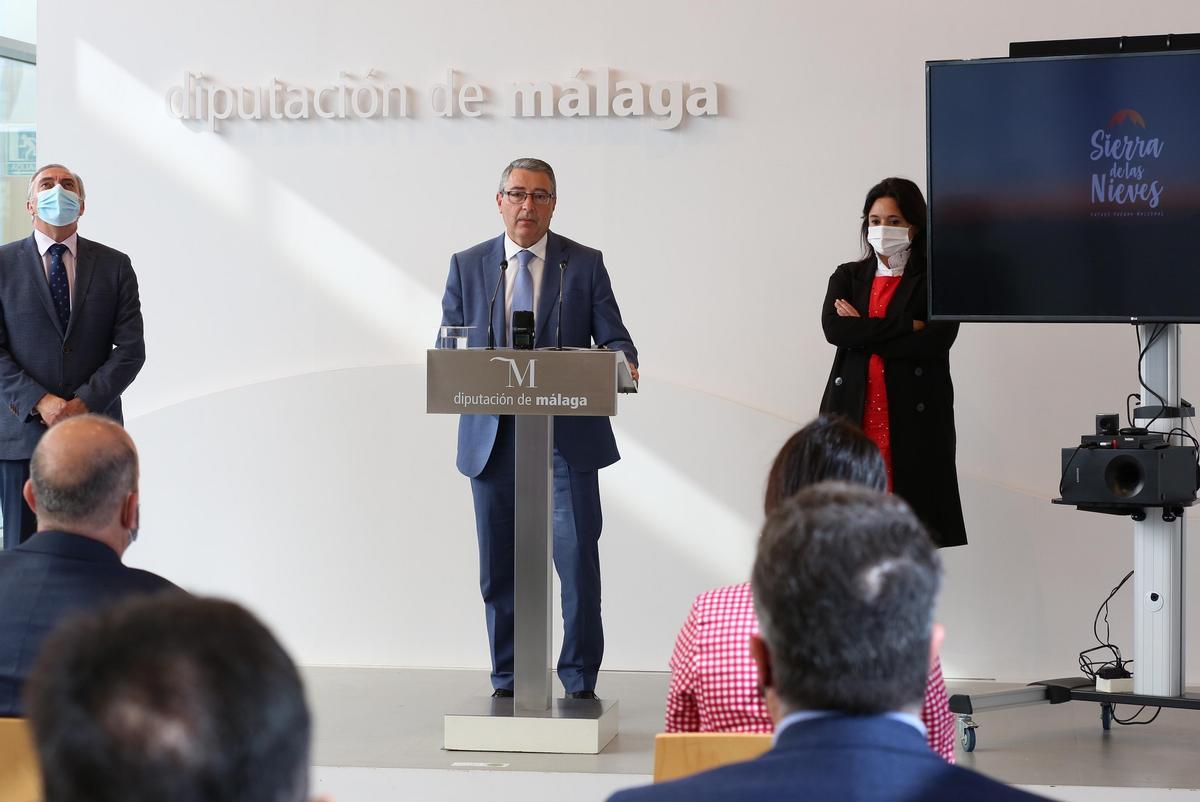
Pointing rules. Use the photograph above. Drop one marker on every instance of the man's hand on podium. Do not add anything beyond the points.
(633, 371)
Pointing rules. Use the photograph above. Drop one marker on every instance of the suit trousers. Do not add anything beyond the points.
(19, 521)
(577, 523)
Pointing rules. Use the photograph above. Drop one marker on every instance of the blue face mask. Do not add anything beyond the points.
(58, 206)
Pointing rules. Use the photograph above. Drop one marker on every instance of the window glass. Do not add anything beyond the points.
(18, 20)
(18, 145)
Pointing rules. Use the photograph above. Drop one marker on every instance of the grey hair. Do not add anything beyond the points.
(536, 165)
(44, 168)
(95, 491)
(845, 582)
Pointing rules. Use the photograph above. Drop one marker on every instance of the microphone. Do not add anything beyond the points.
(492, 306)
(562, 269)
(522, 330)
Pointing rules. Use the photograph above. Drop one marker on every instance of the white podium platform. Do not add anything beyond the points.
(570, 726)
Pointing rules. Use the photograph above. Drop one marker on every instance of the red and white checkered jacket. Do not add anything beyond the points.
(714, 682)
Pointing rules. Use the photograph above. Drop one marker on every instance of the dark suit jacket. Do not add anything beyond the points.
(590, 314)
(920, 393)
(95, 359)
(837, 759)
(45, 579)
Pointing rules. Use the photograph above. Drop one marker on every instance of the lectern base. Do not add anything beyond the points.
(571, 726)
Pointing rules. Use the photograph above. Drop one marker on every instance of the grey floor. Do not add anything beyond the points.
(1066, 745)
(392, 718)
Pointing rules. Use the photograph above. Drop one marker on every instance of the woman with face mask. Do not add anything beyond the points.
(891, 373)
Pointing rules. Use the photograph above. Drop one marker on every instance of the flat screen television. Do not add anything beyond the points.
(1065, 189)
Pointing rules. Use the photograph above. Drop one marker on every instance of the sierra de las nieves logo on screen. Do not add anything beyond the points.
(1124, 168)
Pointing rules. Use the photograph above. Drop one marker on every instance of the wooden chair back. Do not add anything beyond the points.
(678, 754)
(20, 777)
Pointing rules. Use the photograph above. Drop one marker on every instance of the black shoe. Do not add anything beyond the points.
(591, 695)
(502, 693)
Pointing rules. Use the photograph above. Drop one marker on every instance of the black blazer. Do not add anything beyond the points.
(920, 393)
(95, 359)
(45, 579)
(835, 759)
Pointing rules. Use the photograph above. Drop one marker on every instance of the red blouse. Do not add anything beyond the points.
(875, 413)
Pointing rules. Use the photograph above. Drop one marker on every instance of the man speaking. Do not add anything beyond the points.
(537, 261)
(70, 333)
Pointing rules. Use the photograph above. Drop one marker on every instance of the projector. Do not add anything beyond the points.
(1123, 471)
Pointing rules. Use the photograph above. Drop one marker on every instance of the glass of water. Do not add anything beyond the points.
(453, 337)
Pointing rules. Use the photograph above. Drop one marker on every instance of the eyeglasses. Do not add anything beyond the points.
(518, 196)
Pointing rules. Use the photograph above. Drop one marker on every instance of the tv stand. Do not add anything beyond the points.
(1159, 550)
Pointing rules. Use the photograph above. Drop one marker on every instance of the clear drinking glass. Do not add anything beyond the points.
(453, 337)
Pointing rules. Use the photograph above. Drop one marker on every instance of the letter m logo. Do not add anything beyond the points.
(516, 375)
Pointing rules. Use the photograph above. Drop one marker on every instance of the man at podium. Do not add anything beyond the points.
(531, 269)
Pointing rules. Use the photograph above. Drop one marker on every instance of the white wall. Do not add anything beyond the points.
(291, 274)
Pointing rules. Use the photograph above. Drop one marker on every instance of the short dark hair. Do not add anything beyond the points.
(912, 205)
(844, 585)
(168, 697)
(536, 165)
(91, 492)
(831, 448)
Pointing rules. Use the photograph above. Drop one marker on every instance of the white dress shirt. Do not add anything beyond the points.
(68, 257)
(537, 266)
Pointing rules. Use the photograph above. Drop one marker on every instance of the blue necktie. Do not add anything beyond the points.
(60, 289)
(522, 299)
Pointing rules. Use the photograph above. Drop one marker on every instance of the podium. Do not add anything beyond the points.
(534, 386)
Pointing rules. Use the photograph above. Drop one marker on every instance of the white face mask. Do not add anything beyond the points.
(888, 240)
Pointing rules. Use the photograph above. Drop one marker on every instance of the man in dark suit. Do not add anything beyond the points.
(844, 585)
(538, 262)
(84, 489)
(70, 332)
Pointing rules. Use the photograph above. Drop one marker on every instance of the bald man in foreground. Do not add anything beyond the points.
(83, 487)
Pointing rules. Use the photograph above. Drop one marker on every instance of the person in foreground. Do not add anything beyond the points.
(170, 698)
(541, 266)
(70, 332)
(83, 486)
(714, 682)
(845, 581)
(891, 371)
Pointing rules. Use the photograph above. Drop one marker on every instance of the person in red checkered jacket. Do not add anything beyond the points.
(714, 682)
